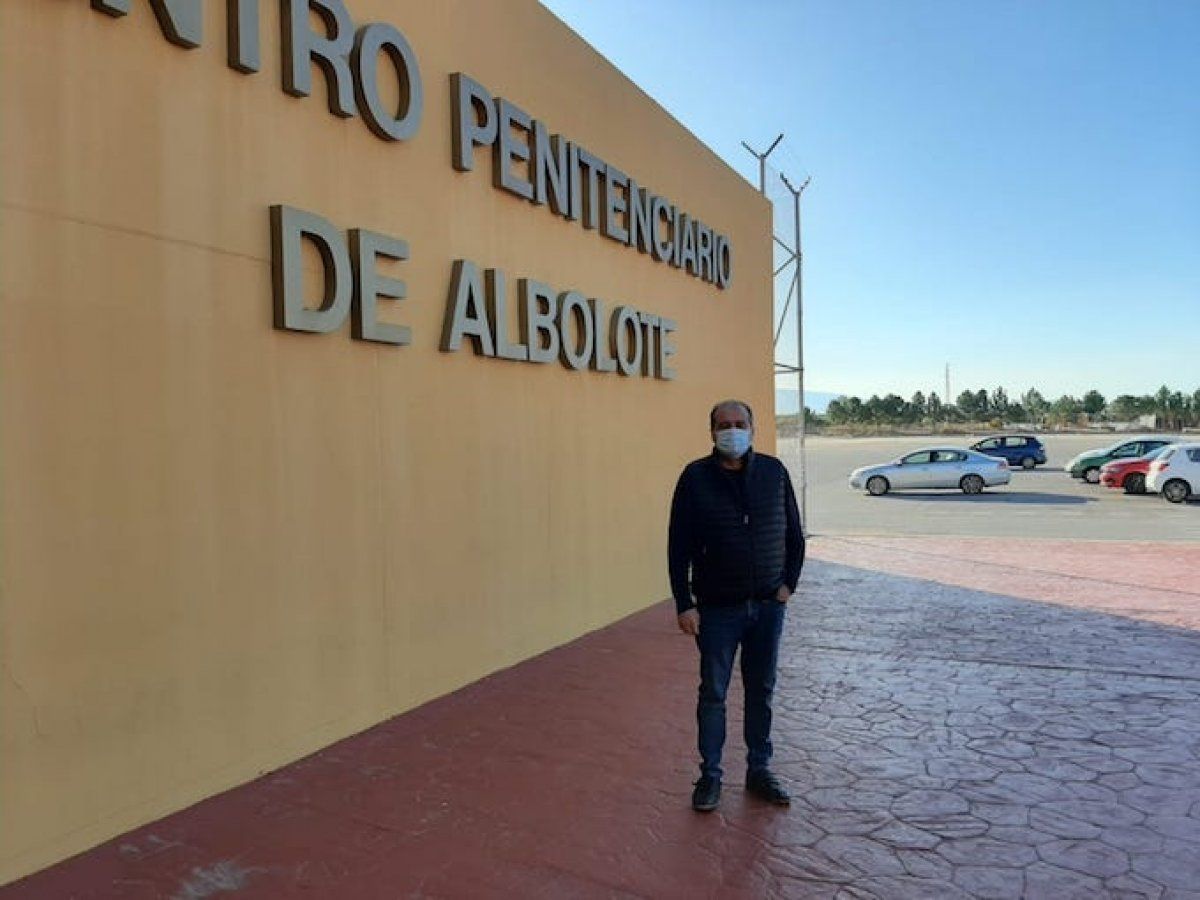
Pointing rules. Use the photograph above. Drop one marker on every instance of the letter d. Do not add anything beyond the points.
(289, 227)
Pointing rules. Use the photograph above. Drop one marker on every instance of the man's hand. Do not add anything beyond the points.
(783, 595)
(689, 622)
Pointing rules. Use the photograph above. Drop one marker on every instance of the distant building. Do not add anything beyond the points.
(1147, 422)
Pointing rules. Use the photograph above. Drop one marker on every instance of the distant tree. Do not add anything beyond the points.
(1174, 409)
(999, 403)
(934, 406)
(1066, 409)
(968, 405)
(873, 409)
(1093, 403)
(1122, 408)
(892, 409)
(854, 410)
(836, 411)
(918, 407)
(1162, 400)
(1127, 407)
(1177, 407)
(1035, 405)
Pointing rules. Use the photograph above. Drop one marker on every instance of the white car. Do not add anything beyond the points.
(933, 467)
(1176, 472)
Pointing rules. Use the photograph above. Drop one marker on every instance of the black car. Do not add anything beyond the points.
(1022, 450)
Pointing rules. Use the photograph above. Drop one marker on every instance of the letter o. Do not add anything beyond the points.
(369, 43)
(575, 354)
(724, 262)
(627, 337)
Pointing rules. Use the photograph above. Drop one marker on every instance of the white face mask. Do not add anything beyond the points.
(732, 442)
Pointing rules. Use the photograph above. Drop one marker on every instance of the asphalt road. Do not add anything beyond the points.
(1046, 502)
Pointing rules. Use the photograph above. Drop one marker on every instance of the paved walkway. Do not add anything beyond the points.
(955, 717)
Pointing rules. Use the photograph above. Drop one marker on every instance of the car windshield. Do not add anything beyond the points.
(1157, 452)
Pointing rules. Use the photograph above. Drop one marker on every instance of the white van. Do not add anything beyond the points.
(1176, 472)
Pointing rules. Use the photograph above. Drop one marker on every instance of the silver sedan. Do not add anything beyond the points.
(933, 467)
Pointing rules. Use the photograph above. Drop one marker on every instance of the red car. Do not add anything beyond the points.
(1129, 474)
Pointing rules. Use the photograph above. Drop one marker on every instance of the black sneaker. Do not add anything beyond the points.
(707, 794)
(764, 785)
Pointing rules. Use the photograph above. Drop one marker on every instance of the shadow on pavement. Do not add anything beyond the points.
(1038, 498)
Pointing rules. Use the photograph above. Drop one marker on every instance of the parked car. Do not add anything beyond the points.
(1176, 473)
(933, 467)
(1087, 464)
(1130, 474)
(1022, 450)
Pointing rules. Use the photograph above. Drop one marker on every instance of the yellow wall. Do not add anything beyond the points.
(225, 546)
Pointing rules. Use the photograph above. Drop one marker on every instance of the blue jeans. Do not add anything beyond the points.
(756, 627)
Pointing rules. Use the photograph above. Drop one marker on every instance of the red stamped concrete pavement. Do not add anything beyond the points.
(1157, 582)
(955, 718)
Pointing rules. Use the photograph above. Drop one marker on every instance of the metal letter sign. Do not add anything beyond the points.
(301, 48)
(529, 161)
(241, 34)
(181, 21)
(368, 45)
(288, 227)
(365, 248)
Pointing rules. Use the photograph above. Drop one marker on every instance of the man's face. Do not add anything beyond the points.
(731, 416)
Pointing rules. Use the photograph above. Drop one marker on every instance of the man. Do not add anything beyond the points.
(736, 530)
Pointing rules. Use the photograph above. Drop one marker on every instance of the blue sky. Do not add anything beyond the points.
(1012, 188)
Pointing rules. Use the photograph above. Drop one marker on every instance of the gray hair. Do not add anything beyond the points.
(712, 413)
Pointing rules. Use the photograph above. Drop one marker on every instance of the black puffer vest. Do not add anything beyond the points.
(736, 526)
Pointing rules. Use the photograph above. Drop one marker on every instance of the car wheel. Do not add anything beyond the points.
(1176, 490)
(971, 484)
(1028, 462)
(877, 486)
(1135, 483)
(1092, 475)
